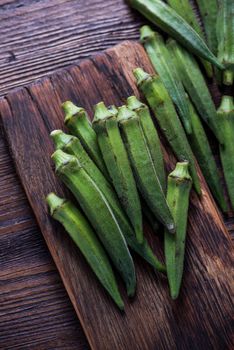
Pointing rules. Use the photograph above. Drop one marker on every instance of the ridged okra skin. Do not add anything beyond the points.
(84, 237)
(78, 124)
(164, 111)
(98, 210)
(151, 137)
(71, 145)
(226, 115)
(169, 21)
(143, 167)
(194, 83)
(225, 35)
(118, 165)
(185, 10)
(202, 151)
(179, 186)
(158, 53)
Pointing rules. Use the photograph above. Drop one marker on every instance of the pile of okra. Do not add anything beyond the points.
(114, 166)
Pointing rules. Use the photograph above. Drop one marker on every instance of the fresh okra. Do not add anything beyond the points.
(179, 186)
(226, 116)
(143, 166)
(84, 237)
(202, 151)
(98, 210)
(169, 21)
(164, 111)
(158, 53)
(151, 137)
(71, 145)
(225, 35)
(115, 156)
(194, 82)
(185, 10)
(78, 124)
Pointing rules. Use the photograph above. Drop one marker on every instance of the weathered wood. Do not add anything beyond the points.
(200, 319)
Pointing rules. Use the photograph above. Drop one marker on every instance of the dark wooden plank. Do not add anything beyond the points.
(201, 317)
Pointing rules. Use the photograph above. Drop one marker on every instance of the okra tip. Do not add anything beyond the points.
(140, 75)
(54, 202)
(133, 103)
(226, 105)
(61, 158)
(70, 109)
(60, 138)
(181, 171)
(146, 33)
(113, 110)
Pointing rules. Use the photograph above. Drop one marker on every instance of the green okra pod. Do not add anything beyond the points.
(226, 116)
(143, 167)
(84, 237)
(71, 145)
(78, 124)
(225, 35)
(169, 21)
(184, 9)
(164, 111)
(202, 151)
(208, 10)
(158, 53)
(194, 83)
(179, 186)
(99, 213)
(115, 156)
(151, 137)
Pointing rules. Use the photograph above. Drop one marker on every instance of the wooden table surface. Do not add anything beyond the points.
(38, 37)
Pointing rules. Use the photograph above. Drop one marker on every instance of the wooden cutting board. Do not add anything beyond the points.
(201, 317)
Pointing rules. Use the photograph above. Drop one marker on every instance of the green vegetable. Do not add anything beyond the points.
(185, 10)
(202, 151)
(194, 82)
(97, 209)
(77, 121)
(169, 21)
(70, 144)
(82, 234)
(115, 156)
(160, 58)
(225, 35)
(226, 115)
(208, 10)
(179, 186)
(143, 167)
(151, 137)
(164, 111)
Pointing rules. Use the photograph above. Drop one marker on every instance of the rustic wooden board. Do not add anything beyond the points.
(201, 318)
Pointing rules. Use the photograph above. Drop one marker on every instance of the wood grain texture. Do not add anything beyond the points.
(201, 318)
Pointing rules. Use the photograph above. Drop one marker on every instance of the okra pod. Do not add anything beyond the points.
(164, 112)
(99, 213)
(143, 167)
(115, 156)
(225, 35)
(71, 145)
(185, 10)
(226, 116)
(84, 237)
(179, 186)
(151, 137)
(78, 124)
(169, 21)
(194, 82)
(202, 151)
(158, 53)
